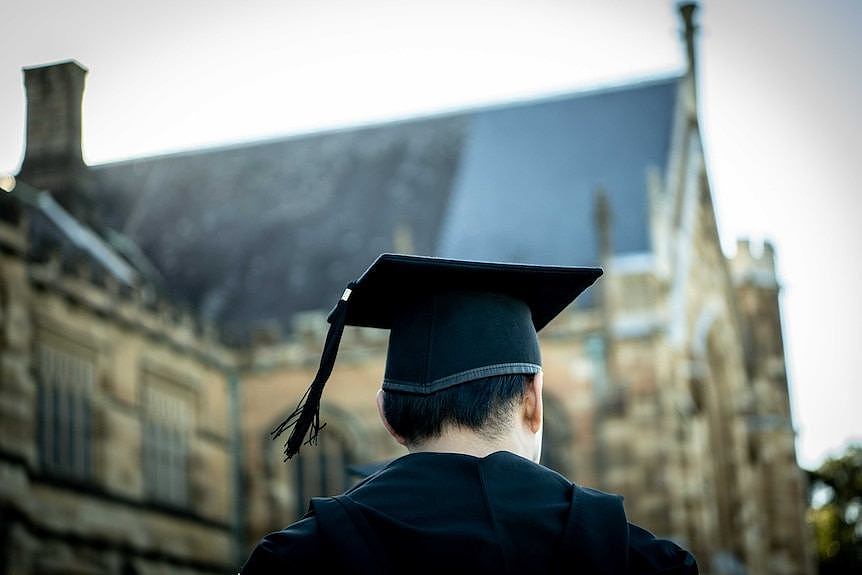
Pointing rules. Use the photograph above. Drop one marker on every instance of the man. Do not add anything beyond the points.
(462, 391)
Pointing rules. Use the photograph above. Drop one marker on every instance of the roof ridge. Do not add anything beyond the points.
(596, 90)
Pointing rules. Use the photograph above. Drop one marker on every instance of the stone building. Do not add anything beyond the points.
(115, 405)
(666, 382)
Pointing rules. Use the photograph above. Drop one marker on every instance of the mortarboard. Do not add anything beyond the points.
(450, 322)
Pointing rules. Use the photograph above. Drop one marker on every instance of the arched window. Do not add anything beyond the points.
(557, 438)
(322, 470)
(318, 470)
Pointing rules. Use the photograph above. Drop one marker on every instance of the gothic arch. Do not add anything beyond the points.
(715, 387)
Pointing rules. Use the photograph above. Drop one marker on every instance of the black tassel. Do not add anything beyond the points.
(307, 413)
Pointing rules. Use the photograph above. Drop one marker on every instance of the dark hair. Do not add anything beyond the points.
(482, 404)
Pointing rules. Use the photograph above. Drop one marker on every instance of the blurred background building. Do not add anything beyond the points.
(161, 315)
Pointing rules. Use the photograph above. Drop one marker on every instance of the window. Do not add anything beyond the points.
(167, 425)
(64, 395)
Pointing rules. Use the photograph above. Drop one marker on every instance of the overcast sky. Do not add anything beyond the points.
(780, 94)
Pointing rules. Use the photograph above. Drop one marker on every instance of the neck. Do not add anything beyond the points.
(469, 442)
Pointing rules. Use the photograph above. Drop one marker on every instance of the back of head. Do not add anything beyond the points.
(484, 406)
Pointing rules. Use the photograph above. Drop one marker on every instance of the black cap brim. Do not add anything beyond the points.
(394, 279)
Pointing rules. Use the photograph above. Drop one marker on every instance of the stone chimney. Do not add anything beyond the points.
(52, 158)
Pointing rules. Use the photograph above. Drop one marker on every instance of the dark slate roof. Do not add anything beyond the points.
(252, 234)
(529, 174)
(256, 233)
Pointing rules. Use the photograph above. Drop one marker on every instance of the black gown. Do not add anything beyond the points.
(449, 513)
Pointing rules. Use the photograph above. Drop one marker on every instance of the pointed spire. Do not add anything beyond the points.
(686, 12)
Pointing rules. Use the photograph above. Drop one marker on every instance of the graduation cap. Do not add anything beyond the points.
(450, 322)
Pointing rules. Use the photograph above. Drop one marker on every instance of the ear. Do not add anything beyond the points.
(382, 413)
(533, 408)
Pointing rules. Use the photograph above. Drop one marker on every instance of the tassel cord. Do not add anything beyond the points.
(306, 416)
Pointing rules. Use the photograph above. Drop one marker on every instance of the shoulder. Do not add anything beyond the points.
(294, 547)
(602, 521)
(650, 554)
(592, 508)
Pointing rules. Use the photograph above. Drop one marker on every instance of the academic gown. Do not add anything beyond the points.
(447, 513)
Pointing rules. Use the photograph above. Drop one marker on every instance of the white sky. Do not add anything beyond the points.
(780, 95)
